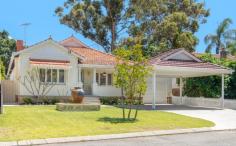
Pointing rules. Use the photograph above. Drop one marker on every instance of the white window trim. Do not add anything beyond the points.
(57, 82)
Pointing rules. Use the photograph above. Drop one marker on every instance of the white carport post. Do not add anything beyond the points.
(154, 91)
(222, 91)
(181, 89)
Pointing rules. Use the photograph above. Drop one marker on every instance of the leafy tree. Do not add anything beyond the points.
(2, 70)
(100, 21)
(7, 46)
(166, 24)
(231, 48)
(131, 72)
(231, 85)
(223, 34)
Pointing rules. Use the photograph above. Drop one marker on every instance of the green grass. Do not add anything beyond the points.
(34, 122)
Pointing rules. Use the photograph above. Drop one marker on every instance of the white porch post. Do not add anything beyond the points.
(222, 91)
(94, 80)
(181, 90)
(154, 91)
(80, 84)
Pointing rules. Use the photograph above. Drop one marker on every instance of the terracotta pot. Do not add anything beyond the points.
(76, 98)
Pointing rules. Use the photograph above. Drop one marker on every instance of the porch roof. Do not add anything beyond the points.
(46, 63)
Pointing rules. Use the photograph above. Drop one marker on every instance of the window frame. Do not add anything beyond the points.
(52, 81)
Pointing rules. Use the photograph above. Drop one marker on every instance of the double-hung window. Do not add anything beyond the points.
(52, 75)
(104, 79)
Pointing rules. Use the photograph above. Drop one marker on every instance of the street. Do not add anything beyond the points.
(220, 138)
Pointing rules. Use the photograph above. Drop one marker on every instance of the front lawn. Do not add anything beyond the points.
(35, 122)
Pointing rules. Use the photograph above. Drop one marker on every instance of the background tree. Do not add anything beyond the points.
(231, 48)
(131, 73)
(100, 21)
(7, 46)
(166, 24)
(223, 34)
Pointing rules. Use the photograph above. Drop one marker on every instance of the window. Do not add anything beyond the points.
(61, 76)
(97, 78)
(52, 75)
(49, 75)
(103, 79)
(42, 75)
(109, 79)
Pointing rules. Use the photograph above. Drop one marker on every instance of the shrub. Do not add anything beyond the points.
(54, 100)
(46, 101)
(28, 100)
(110, 100)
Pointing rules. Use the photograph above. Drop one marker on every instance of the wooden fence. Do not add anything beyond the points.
(8, 91)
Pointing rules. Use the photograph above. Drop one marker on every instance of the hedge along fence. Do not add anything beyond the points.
(204, 102)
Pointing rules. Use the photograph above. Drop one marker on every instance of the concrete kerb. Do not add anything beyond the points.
(110, 136)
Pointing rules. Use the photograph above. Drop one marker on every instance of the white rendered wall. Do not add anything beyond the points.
(163, 87)
(50, 51)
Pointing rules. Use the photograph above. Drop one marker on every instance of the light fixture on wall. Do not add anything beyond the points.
(104, 73)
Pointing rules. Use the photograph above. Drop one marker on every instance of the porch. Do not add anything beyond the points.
(97, 80)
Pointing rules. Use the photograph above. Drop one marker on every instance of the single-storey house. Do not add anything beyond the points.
(71, 63)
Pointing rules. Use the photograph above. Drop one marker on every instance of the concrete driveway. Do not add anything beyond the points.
(223, 119)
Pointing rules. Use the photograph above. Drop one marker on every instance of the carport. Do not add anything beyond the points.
(180, 64)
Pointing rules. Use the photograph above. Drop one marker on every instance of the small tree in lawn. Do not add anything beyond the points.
(131, 72)
(35, 83)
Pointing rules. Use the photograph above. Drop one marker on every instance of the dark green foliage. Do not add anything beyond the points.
(231, 86)
(2, 70)
(7, 46)
(28, 100)
(166, 24)
(203, 86)
(45, 100)
(109, 100)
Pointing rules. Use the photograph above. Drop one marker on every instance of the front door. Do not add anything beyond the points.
(87, 81)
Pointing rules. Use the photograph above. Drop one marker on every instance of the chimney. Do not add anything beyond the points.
(223, 53)
(19, 45)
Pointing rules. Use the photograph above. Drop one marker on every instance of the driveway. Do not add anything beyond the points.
(223, 119)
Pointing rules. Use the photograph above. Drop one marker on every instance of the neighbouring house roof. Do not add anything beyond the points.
(164, 59)
(229, 56)
(90, 55)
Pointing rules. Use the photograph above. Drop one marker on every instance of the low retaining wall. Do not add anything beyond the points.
(204, 102)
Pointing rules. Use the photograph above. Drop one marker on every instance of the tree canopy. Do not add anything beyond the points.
(223, 36)
(100, 21)
(7, 46)
(162, 24)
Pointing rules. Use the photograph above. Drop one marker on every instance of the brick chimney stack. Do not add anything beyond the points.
(19, 45)
(223, 53)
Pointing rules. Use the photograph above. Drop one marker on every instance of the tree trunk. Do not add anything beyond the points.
(113, 36)
(123, 105)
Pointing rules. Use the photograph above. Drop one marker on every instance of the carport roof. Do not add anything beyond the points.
(179, 62)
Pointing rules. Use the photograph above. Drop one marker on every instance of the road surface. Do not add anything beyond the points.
(220, 138)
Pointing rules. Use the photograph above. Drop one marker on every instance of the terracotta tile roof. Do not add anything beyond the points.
(90, 55)
(159, 60)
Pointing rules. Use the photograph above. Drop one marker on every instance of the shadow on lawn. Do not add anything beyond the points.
(116, 120)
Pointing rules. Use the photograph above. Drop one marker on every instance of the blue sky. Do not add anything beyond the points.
(40, 13)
